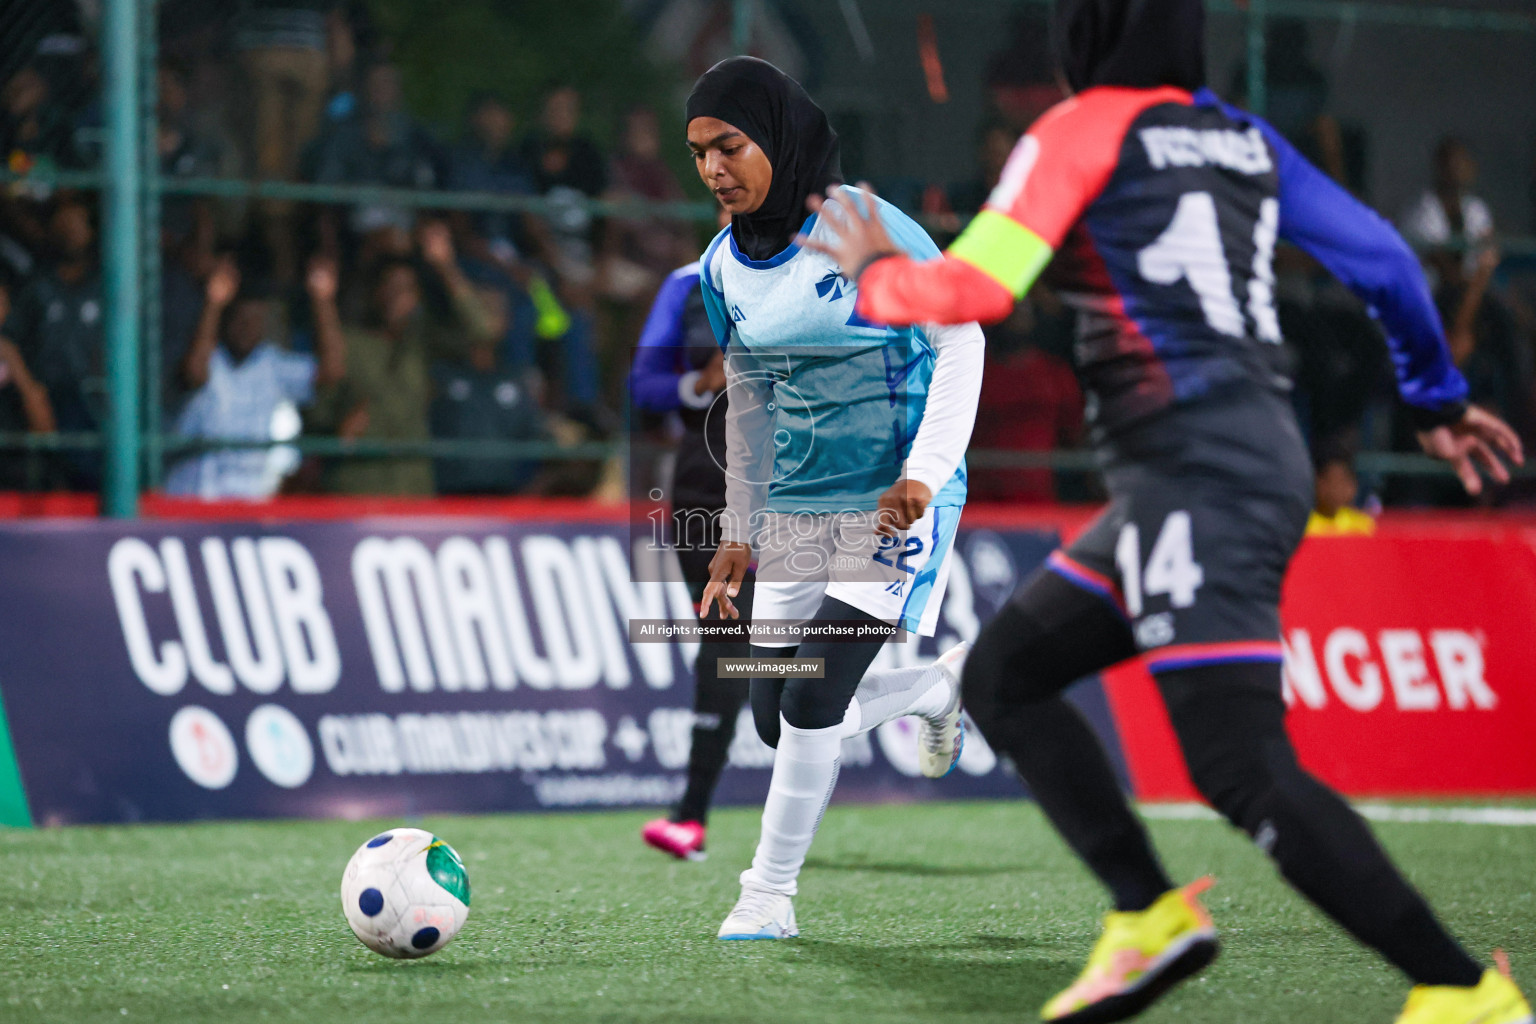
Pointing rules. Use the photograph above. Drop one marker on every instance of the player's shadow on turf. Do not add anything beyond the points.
(982, 942)
(434, 965)
(932, 974)
(930, 870)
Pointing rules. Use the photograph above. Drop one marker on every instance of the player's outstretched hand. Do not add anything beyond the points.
(726, 571)
(855, 237)
(1479, 438)
(902, 504)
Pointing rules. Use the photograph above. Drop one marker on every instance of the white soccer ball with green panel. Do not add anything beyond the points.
(405, 893)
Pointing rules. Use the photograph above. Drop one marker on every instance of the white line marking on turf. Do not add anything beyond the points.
(1178, 812)
(1507, 816)
(1455, 815)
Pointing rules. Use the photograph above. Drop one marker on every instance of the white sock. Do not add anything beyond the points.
(804, 772)
(885, 695)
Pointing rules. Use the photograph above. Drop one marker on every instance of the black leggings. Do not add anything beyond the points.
(1229, 719)
(716, 702)
(813, 703)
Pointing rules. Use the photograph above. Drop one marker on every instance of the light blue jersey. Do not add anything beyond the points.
(847, 395)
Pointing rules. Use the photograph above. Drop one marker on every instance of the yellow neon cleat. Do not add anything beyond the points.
(1141, 955)
(1494, 1000)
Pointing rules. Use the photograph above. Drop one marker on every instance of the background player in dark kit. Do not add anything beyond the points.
(680, 367)
(1157, 208)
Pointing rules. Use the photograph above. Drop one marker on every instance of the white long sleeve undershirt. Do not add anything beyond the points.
(748, 449)
(949, 414)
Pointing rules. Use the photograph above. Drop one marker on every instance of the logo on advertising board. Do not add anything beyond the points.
(203, 747)
(279, 746)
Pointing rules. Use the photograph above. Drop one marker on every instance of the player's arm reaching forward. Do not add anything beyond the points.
(1064, 163)
(1368, 255)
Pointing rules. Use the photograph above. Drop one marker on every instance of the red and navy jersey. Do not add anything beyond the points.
(1170, 263)
(1157, 212)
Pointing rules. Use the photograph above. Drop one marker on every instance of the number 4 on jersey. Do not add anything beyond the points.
(1170, 570)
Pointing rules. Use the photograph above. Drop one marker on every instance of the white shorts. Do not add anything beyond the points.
(804, 557)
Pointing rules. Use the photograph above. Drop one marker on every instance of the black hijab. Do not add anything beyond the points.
(792, 131)
(1140, 44)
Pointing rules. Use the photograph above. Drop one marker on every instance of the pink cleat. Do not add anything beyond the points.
(682, 839)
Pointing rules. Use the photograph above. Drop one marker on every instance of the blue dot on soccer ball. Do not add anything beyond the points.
(377, 841)
(370, 902)
(425, 937)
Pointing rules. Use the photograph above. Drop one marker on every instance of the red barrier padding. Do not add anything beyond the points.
(339, 506)
(1067, 520)
(48, 505)
(314, 507)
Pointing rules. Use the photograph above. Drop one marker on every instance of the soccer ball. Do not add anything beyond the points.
(405, 893)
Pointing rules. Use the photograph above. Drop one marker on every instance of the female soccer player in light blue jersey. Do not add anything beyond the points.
(844, 464)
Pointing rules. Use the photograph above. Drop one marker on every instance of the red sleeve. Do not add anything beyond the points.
(1059, 167)
(901, 290)
(1063, 162)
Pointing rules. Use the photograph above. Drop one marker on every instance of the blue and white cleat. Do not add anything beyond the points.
(940, 740)
(760, 914)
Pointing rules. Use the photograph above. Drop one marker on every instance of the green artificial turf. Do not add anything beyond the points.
(966, 912)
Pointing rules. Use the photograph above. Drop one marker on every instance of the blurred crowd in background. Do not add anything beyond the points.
(377, 321)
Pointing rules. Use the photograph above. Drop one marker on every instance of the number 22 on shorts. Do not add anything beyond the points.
(1171, 569)
(912, 548)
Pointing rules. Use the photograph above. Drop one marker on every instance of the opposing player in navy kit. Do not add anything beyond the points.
(1157, 208)
(845, 472)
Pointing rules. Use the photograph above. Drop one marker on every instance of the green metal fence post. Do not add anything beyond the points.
(120, 255)
(741, 25)
(1256, 57)
(149, 228)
